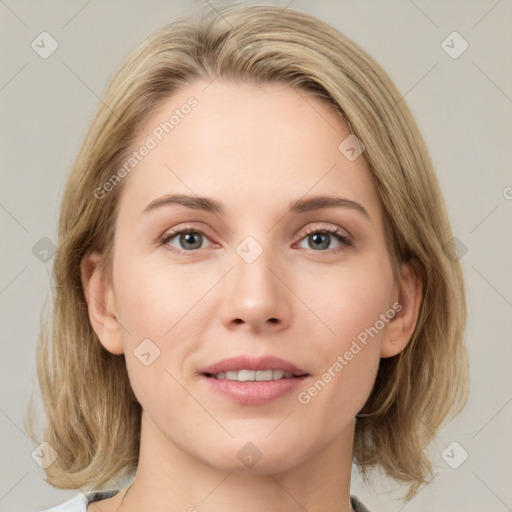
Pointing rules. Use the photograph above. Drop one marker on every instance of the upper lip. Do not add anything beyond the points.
(245, 362)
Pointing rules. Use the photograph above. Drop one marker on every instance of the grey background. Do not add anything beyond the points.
(463, 106)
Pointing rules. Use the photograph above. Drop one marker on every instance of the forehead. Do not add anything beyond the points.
(244, 144)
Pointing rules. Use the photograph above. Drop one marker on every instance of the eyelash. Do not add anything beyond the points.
(344, 240)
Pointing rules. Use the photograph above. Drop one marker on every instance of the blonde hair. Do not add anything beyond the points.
(92, 416)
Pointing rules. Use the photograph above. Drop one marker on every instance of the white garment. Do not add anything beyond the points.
(80, 501)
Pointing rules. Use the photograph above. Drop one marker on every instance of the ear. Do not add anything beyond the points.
(100, 303)
(407, 300)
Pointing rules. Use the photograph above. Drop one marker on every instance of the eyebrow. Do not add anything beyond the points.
(297, 206)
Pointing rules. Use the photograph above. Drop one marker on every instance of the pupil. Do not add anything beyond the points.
(317, 237)
(189, 239)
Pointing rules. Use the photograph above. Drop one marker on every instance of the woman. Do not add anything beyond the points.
(255, 281)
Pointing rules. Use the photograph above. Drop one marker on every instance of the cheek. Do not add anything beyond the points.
(348, 300)
(152, 299)
(160, 328)
(348, 306)
(161, 314)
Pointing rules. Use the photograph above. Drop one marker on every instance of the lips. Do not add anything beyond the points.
(254, 364)
(253, 388)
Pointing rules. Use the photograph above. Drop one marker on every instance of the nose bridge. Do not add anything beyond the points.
(252, 274)
(256, 293)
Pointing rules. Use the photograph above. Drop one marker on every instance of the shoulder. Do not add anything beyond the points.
(79, 502)
(357, 505)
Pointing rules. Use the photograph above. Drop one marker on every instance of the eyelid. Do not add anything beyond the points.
(331, 228)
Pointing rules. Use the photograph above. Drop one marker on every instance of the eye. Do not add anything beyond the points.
(320, 239)
(189, 239)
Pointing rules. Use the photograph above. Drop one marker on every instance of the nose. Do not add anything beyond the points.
(256, 295)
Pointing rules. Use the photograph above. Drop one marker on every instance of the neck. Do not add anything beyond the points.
(171, 480)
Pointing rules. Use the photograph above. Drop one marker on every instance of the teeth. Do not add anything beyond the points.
(254, 376)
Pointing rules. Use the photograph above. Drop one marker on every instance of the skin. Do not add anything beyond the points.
(255, 149)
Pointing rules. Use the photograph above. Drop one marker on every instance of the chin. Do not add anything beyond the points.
(257, 455)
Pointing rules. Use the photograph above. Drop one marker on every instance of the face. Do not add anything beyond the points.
(251, 278)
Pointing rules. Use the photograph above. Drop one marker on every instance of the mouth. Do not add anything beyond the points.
(245, 368)
(254, 375)
(253, 381)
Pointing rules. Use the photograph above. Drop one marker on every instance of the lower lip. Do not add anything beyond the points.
(255, 393)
